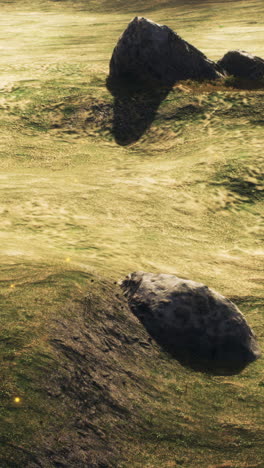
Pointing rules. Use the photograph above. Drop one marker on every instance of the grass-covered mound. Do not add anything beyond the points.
(82, 384)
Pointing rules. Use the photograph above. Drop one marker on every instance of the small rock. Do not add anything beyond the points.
(198, 326)
(149, 52)
(241, 64)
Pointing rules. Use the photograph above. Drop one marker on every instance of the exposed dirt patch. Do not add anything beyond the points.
(80, 116)
(98, 349)
(92, 353)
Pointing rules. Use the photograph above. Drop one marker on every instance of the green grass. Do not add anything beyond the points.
(180, 194)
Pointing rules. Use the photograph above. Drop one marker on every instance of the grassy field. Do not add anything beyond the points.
(85, 200)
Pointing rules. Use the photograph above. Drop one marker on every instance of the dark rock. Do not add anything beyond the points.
(149, 52)
(198, 326)
(241, 64)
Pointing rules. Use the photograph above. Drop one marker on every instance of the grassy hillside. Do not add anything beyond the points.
(95, 185)
(94, 391)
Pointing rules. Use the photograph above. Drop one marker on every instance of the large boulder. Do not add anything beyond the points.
(149, 52)
(198, 326)
(241, 64)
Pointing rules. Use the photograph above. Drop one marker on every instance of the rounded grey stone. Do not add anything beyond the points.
(197, 325)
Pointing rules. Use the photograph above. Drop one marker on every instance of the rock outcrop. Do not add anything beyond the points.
(149, 52)
(241, 64)
(198, 326)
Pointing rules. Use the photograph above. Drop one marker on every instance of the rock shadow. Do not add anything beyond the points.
(135, 107)
(194, 352)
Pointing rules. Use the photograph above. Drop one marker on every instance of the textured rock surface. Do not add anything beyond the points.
(201, 328)
(242, 64)
(147, 51)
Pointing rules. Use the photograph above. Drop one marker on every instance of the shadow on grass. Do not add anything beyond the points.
(135, 108)
(244, 83)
